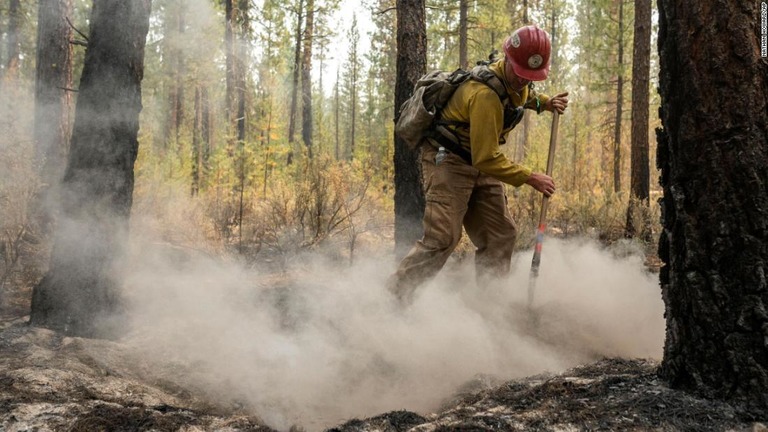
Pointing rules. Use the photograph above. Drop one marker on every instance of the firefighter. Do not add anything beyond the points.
(472, 195)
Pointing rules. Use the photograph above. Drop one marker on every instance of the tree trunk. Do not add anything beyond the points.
(463, 12)
(336, 112)
(80, 293)
(296, 69)
(354, 78)
(619, 104)
(243, 29)
(411, 64)
(174, 66)
(13, 48)
(201, 139)
(53, 76)
(526, 17)
(229, 54)
(641, 65)
(555, 43)
(306, 79)
(713, 155)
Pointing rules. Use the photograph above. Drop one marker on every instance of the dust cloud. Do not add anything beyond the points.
(330, 343)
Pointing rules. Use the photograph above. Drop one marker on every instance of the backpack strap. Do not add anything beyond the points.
(486, 76)
(447, 138)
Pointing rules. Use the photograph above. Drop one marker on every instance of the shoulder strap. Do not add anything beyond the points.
(486, 76)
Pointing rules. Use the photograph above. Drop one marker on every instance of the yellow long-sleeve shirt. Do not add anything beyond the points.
(477, 104)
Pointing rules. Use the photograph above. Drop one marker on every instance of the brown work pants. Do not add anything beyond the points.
(457, 194)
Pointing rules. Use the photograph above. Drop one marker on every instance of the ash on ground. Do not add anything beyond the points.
(49, 382)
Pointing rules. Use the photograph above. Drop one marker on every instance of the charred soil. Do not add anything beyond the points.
(52, 382)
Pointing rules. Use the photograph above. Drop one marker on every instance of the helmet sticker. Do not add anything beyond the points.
(515, 40)
(535, 61)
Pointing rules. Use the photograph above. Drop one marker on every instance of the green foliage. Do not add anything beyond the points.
(290, 203)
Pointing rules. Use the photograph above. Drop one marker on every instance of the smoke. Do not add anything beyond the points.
(328, 343)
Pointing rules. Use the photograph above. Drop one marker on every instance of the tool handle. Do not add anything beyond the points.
(543, 216)
(550, 164)
(552, 142)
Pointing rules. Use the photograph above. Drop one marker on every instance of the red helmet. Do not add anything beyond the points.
(528, 49)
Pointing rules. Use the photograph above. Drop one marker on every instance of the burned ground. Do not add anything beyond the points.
(51, 382)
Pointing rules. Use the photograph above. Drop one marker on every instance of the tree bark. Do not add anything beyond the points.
(713, 155)
(80, 293)
(463, 12)
(306, 79)
(640, 170)
(411, 64)
(53, 77)
(619, 104)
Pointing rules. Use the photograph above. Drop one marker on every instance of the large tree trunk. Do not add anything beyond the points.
(641, 65)
(306, 79)
(411, 64)
(53, 77)
(80, 293)
(713, 154)
(619, 104)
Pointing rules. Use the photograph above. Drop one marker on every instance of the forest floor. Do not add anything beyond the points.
(49, 382)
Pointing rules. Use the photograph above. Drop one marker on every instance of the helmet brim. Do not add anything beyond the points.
(530, 74)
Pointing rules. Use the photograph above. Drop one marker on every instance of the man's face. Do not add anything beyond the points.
(515, 81)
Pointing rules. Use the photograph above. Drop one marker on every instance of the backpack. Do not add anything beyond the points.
(419, 115)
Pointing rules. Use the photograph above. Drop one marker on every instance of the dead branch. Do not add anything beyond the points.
(76, 30)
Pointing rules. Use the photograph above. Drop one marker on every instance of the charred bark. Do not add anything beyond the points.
(411, 64)
(53, 76)
(80, 294)
(713, 154)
